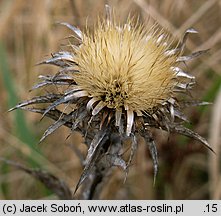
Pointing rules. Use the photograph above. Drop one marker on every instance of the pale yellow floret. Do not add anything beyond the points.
(125, 67)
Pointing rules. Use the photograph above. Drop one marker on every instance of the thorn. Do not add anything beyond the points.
(11, 109)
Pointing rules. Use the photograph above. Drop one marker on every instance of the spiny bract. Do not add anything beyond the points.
(122, 80)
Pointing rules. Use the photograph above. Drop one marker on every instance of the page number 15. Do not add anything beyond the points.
(211, 208)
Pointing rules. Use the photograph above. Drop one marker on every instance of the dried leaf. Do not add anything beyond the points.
(79, 119)
(66, 98)
(74, 29)
(133, 148)
(181, 73)
(180, 115)
(61, 59)
(153, 152)
(93, 154)
(36, 100)
(98, 108)
(192, 56)
(184, 104)
(58, 186)
(130, 121)
(108, 11)
(182, 43)
(185, 37)
(54, 80)
(56, 125)
(187, 132)
(54, 114)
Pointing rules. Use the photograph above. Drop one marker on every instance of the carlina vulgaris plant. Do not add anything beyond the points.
(121, 81)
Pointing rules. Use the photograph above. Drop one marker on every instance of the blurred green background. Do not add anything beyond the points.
(29, 33)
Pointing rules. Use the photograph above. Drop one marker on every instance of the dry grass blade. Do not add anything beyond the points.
(196, 16)
(214, 162)
(151, 11)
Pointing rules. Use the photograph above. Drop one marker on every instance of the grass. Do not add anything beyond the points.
(28, 34)
(21, 128)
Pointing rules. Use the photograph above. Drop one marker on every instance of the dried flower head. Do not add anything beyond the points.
(122, 80)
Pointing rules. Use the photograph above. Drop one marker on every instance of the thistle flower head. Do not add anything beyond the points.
(123, 80)
(125, 68)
